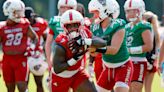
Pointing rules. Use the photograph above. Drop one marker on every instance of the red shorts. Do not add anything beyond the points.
(110, 76)
(60, 84)
(98, 66)
(14, 68)
(140, 69)
(154, 67)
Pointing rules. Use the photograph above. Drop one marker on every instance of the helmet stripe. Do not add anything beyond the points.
(66, 1)
(130, 3)
(70, 16)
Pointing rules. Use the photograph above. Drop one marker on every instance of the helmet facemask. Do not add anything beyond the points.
(72, 29)
(16, 15)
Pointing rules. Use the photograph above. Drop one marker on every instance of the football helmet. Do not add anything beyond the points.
(135, 4)
(70, 3)
(37, 65)
(14, 9)
(71, 21)
(106, 8)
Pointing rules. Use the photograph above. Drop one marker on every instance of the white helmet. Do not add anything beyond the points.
(70, 3)
(71, 17)
(37, 65)
(14, 9)
(106, 8)
(135, 4)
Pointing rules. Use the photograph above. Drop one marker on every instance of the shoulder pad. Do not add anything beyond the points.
(2, 24)
(144, 25)
(61, 39)
(118, 23)
(25, 21)
(40, 20)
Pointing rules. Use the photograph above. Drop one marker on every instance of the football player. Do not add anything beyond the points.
(55, 27)
(97, 31)
(68, 55)
(40, 26)
(118, 68)
(14, 33)
(139, 41)
(153, 56)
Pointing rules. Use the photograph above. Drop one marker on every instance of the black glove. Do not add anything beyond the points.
(76, 48)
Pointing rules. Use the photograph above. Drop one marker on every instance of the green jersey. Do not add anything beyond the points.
(116, 25)
(134, 36)
(54, 24)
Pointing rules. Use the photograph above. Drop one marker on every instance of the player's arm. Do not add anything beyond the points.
(94, 42)
(59, 63)
(147, 46)
(148, 41)
(48, 44)
(161, 57)
(116, 43)
(31, 33)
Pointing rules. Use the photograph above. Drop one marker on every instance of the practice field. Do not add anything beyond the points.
(32, 87)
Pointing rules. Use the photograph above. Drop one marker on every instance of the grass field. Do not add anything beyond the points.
(32, 87)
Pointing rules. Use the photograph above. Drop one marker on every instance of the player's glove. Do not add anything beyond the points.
(77, 50)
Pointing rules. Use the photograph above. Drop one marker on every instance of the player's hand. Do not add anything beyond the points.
(76, 49)
(79, 40)
(49, 65)
(92, 49)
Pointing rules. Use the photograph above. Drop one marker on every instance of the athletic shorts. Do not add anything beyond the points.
(140, 69)
(110, 76)
(14, 68)
(59, 84)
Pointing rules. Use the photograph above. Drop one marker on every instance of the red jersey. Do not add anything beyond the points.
(14, 38)
(40, 28)
(63, 39)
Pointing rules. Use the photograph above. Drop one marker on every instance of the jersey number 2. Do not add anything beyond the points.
(14, 39)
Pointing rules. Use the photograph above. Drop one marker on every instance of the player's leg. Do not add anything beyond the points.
(140, 69)
(123, 76)
(8, 74)
(38, 81)
(86, 86)
(148, 81)
(150, 76)
(10, 87)
(22, 86)
(21, 72)
(81, 83)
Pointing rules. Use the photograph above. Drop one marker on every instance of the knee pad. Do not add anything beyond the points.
(121, 84)
(101, 89)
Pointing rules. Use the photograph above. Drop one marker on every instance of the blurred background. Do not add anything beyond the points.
(48, 8)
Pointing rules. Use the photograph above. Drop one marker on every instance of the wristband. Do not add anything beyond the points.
(136, 50)
(71, 62)
(101, 50)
